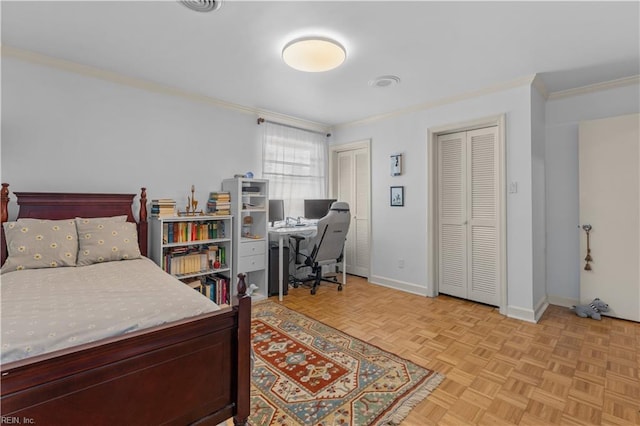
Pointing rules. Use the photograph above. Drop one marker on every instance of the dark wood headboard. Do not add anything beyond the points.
(64, 205)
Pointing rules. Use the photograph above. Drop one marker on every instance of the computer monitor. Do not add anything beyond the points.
(276, 211)
(317, 209)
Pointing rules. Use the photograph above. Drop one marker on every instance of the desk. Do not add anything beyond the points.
(307, 231)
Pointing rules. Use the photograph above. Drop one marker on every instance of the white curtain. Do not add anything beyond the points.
(295, 162)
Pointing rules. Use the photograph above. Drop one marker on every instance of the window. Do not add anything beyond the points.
(295, 162)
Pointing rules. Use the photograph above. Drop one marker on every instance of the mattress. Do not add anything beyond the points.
(43, 310)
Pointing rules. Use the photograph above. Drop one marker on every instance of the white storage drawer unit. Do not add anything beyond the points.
(250, 209)
(252, 248)
(251, 263)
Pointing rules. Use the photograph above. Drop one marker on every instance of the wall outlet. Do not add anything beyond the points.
(400, 263)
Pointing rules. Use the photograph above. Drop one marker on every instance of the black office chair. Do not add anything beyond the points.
(327, 246)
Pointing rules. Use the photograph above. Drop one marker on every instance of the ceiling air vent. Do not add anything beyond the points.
(202, 5)
(384, 81)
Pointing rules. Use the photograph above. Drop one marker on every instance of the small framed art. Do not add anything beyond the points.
(396, 164)
(397, 196)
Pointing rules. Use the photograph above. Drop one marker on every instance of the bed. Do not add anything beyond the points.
(194, 370)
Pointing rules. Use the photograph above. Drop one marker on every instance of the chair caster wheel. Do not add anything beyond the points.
(295, 285)
(313, 291)
(339, 288)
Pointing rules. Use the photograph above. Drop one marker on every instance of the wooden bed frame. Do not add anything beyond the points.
(193, 371)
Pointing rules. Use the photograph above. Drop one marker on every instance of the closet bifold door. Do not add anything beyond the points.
(353, 187)
(346, 193)
(482, 231)
(452, 233)
(468, 215)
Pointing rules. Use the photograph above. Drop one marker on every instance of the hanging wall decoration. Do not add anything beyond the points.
(397, 196)
(396, 164)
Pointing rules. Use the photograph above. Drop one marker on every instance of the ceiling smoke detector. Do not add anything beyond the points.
(202, 5)
(384, 81)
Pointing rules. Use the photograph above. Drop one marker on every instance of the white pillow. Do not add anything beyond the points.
(38, 243)
(102, 240)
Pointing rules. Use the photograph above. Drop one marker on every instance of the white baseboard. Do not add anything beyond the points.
(399, 285)
(562, 301)
(541, 306)
(523, 314)
(526, 314)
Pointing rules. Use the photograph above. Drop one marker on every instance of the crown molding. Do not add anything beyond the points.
(592, 88)
(539, 85)
(113, 77)
(534, 80)
(523, 81)
(88, 71)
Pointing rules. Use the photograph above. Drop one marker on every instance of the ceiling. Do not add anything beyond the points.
(437, 49)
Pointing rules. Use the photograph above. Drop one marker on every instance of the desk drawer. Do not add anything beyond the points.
(251, 263)
(252, 248)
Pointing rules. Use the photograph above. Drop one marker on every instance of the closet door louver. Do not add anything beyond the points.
(468, 215)
(345, 177)
(353, 187)
(452, 238)
(482, 231)
(360, 216)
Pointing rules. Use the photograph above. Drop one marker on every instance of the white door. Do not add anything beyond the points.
(351, 184)
(468, 240)
(609, 159)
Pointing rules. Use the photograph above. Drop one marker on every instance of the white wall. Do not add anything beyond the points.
(564, 259)
(63, 131)
(401, 233)
(538, 203)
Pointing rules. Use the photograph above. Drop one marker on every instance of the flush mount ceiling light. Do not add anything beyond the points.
(384, 81)
(313, 54)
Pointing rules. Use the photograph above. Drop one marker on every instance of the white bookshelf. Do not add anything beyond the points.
(162, 243)
(250, 202)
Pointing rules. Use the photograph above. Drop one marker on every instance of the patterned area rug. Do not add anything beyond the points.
(307, 373)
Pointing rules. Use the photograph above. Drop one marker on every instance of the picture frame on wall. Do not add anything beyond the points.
(397, 196)
(396, 164)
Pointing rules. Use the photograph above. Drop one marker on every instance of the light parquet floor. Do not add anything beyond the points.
(564, 370)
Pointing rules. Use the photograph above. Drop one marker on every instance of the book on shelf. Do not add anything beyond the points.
(250, 188)
(217, 209)
(217, 257)
(195, 284)
(219, 203)
(163, 207)
(197, 230)
(165, 233)
(216, 288)
(185, 260)
(220, 195)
